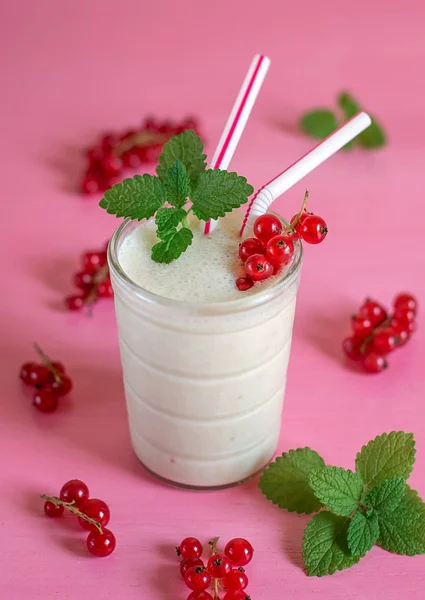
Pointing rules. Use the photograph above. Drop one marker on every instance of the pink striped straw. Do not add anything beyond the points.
(264, 197)
(238, 118)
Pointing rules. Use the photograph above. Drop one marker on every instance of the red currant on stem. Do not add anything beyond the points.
(258, 267)
(313, 229)
(352, 347)
(219, 565)
(249, 247)
(25, 372)
(83, 280)
(45, 400)
(266, 227)
(401, 330)
(190, 547)
(74, 491)
(374, 362)
(385, 340)
(197, 579)
(101, 544)
(236, 595)
(405, 302)
(74, 302)
(361, 326)
(90, 183)
(187, 563)
(97, 510)
(280, 249)
(93, 261)
(53, 510)
(244, 283)
(235, 580)
(373, 311)
(39, 375)
(240, 551)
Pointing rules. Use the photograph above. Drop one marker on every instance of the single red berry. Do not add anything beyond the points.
(45, 400)
(109, 140)
(266, 227)
(219, 565)
(197, 579)
(302, 218)
(235, 580)
(131, 158)
(280, 249)
(75, 491)
(402, 331)
(90, 184)
(258, 267)
(95, 155)
(188, 563)
(240, 551)
(352, 347)
(59, 367)
(313, 230)
(97, 510)
(190, 547)
(373, 311)
(361, 326)
(249, 247)
(61, 388)
(104, 289)
(25, 372)
(53, 510)
(244, 283)
(74, 303)
(374, 363)
(405, 302)
(409, 326)
(101, 544)
(152, 152)
(92, 261)
(111, 164)
(236, 595)
(39, 375)
(404, 315)
(83, 280)
(385, 340)
(200, 596)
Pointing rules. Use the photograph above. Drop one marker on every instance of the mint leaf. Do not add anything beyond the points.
(319, 123)
(403, 530)
(285, 481)
(348, 105)
(388, 455)
(177, 184)
(136, 198)
(172, 246)
(386, 496)
(363, 532)
(325, 547)
(339, 490)
(373, 136)
(167, 220)
(218, 192)
(186, 147)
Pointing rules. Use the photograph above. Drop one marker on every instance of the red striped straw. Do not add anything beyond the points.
(262, 200)
(238, 118)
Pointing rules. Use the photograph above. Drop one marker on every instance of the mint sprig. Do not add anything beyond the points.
(182, 185)
(372, 505)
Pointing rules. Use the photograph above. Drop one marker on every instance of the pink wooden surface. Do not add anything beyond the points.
(72, 69)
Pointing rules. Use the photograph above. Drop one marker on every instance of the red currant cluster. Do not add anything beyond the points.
(224, 571)
(93, 281)
(376, 333)
(93, 515)
(273, 244)
(116, 152)
(50, 380)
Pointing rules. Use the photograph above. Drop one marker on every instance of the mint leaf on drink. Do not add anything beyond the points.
(186, 147)
(177, 184)
(218, 192)
(386, 496)
(402, 531)
(172, 245)
(285, 481)
(167, 220)
(319, 123)
(363, 531)
(325, 546)
(136, 198)
(388, 455)
(339, 490)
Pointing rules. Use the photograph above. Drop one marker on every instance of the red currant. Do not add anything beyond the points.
(240, 551)
(361, 326)
(101, 544)
(150, 124)
(373, 311)
(313, 230)
(92, 261)
(405, 302)
(188, 563)
(244, 283)
(83, 280)
(266, 227)
(53, 510)
(59, 367)
(109, 140)
(94, 154)
(104, 289)
(401, 330)
(151, 153)
(280, 249)
(404, 315)
(90, 184)
(25, 372)
(61, 388)
(39, 375)
(235, 580)
(385, 341)
(197, 579)
(190, 547)
(97, 510)
(75, 491)
(111, 164)
(131, 158)
(374, 363)
(74, 303)
(352, 347)
(258, 267)
(200, 596)
(249, 247)
(45, 400)
(300, 221)
(236, 595)
(219, 565)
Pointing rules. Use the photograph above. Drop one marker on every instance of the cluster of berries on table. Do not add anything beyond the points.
(377, 333)
(274, 244)
(92, 514)
(92, 281)
(223, 573)
(49, 379)
(115, 152)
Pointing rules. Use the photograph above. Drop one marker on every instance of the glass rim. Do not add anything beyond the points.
(233, 305)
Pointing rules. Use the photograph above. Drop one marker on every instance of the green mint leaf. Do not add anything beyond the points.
(186, 147)
(325, 547)
(348, 105)
(167, 220)
(363, 531)
(319, 123)
(403, 530)
(285, 481)
(218, 192)
(388, 455)
(386, 496)
(172, 246)
(177, 184)
(136, 198)
(373, 136)
(339, 490)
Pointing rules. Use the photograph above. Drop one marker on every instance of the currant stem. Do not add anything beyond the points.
(213, 545)
(73, 509)
(47, 361)
(100, 276)
(292, 225)
(369, 338)
(143, 138)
